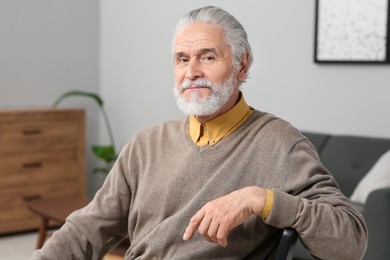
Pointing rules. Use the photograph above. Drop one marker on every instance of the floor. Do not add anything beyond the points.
(21, 246)
(17, 247)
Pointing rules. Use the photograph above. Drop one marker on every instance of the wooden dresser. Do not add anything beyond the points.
(42, 155)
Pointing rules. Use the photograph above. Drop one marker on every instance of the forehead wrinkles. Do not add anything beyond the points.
(197, 46)
(200, 36)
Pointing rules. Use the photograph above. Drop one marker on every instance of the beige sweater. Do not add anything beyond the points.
(162, 178)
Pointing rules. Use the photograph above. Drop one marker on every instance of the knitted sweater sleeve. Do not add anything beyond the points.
(327, 222)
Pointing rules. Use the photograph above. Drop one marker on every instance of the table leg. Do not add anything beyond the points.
(42, 232)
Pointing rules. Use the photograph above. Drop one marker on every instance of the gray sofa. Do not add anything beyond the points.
(349, 158)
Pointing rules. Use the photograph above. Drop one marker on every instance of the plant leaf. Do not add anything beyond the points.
(106, 152)
(94, 96)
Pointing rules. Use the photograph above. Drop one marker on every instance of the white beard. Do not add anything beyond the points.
(207, 106)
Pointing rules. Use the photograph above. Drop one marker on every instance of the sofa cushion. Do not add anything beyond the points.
(349, 158)
(377, 216)
(317, 139)
(378, 177)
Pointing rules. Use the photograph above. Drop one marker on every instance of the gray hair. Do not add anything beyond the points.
(235, 34)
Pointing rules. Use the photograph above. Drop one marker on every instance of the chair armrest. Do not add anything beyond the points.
(286, 244)
(377, 216)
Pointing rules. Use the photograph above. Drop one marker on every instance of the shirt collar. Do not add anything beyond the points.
(217, 128)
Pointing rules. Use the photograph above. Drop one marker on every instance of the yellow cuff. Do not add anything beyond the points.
(269, 203)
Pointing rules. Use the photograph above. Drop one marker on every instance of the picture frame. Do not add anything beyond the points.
(352, 31)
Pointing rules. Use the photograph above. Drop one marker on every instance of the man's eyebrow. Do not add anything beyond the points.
(198, 52)
(179, 54)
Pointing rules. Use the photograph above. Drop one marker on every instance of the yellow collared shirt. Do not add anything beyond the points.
(221, 126)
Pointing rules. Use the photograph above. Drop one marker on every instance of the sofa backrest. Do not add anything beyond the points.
(317, 139)
(349, 158)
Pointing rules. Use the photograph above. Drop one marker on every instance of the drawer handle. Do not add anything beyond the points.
(32, 197)
(32, 131)
(32, 165)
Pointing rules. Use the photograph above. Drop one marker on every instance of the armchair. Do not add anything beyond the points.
(286, 244)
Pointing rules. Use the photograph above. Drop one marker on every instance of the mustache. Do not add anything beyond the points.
(197, 83)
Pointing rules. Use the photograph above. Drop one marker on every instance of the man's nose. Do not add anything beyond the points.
(193, 70)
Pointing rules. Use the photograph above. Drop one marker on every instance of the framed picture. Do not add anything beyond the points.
(352, 31)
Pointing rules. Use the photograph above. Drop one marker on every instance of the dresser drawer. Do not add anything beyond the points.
(42, 155)
(14, 210)
(31, 222)
(39, 168)
(33, 136)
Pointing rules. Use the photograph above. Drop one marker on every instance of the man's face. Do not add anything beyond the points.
(204, 69)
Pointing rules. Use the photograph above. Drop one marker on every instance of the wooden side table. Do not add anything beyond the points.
(57, 209)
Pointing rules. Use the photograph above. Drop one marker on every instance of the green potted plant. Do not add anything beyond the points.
(105, 153)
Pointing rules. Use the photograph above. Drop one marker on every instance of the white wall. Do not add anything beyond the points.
(137, 78)
(47, 48)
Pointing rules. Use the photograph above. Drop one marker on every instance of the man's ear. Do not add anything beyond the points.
(243, 72)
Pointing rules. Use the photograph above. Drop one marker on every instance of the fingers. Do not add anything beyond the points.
(211, 222)
(216, 218)
(193, 226)
(209, 227)
(210, 232)
(222, 236)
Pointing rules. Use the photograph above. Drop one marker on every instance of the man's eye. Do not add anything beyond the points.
(209, 58)
(182, 60)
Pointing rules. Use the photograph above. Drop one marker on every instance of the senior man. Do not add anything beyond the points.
(220, 183)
